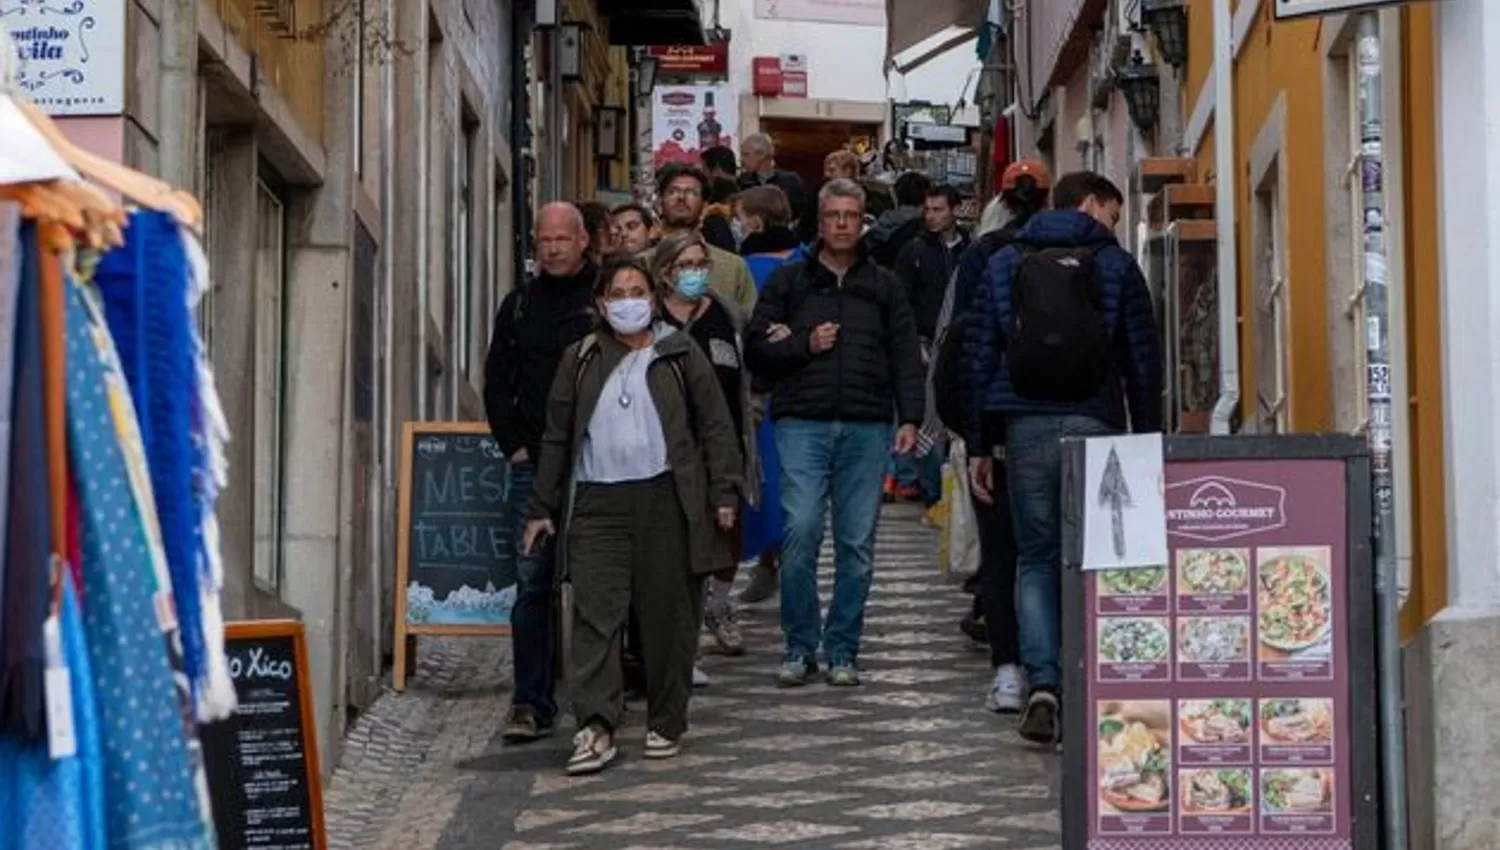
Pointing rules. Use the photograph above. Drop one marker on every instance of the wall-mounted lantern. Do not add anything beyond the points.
(645, 72)
(607, 123)
(570, 51)
(1168, 19)
(1139, 81)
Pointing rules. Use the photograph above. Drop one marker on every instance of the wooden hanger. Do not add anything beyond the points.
(139, 188)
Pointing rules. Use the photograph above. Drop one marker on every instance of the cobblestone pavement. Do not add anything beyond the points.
(909, 760)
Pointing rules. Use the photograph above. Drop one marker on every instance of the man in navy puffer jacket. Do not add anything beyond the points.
(1086, 209)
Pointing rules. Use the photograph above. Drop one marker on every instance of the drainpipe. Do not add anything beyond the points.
(1224, 196)
(520, 142)
(424, 142)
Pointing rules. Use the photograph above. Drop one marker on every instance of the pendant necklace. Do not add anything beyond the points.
(625, 383)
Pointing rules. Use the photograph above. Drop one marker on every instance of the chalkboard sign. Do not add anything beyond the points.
(454, 575)
(262, 762)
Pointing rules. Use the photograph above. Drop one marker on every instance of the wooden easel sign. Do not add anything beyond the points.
(262, 761)
(453, 576)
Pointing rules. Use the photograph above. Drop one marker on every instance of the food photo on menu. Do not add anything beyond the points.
(1216, 791)
(1295, 602)
(1141, 581)
(1213, 640)
(1213, 572)
(1214, 722)
(1134, 640)
(1296, 791)
(1297, 721)
(1135, 757)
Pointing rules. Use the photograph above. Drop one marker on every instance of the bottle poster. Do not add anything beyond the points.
(687, 120)
(1218, 685)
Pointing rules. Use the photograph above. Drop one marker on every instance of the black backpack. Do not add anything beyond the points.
(1059, 345)
(949, 396)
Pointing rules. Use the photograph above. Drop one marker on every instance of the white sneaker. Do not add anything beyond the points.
(700, 678)
(1007, 692)
(659, 746)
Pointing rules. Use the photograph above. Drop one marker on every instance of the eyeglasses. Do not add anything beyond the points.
(705, 265)
(684, 192)
(841, 216)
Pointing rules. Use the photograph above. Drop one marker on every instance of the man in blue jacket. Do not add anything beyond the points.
(1066, 346)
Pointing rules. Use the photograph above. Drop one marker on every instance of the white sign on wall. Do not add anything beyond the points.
(1288, 9)
(72, 54)
(869, 13)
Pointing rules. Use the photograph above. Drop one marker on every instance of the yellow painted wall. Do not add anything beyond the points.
(1278, 60)
(1429, 592)
(291, 63)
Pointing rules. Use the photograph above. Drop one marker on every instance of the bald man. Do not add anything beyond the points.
(536, 323)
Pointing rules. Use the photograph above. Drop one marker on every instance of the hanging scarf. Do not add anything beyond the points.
(28, 545)
(153, 782)
(57, 803)
(143, 288)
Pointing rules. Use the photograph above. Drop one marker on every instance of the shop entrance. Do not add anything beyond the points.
(801, 145)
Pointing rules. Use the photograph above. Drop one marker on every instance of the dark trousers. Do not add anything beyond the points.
(628, 551)
(997, 573)
(531, 620)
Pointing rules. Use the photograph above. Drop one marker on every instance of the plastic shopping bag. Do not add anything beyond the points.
(961, 530)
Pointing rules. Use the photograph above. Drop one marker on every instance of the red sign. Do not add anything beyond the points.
(692, 60)
(780, 76)
(767, 76)
(1218, 685)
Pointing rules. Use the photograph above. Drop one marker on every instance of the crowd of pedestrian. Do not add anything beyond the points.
(693, 385)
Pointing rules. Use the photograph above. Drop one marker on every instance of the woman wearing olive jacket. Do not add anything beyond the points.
(639, 464)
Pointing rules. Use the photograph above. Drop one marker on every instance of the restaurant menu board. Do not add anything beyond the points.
(1218, 693)
(262, 762)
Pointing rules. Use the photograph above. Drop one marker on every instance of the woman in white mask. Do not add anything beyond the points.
(640, 468)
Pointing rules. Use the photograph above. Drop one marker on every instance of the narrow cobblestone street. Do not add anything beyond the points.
(909, 760)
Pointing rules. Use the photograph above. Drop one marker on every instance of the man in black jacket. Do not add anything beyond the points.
(534, 326)
(835, 336)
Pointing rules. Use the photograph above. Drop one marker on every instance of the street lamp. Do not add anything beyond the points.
(1139, 81)
(570, 51)
(1168, 19)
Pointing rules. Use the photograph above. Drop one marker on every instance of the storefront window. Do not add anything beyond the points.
(270, 312)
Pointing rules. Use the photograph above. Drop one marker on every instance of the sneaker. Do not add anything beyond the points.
(763, 584)
(659, 746)
(795, 672)
(723, 623)
(700, 678)
(593, 750)
(932, 517)
(522, 726)
(1005, 693)
(843, 675)
(1039, 723)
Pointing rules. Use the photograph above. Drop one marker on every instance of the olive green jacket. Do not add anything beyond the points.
(702, 452)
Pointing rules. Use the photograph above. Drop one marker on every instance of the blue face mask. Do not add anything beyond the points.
(692, 283)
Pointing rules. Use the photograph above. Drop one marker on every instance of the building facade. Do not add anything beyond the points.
(1301, 279)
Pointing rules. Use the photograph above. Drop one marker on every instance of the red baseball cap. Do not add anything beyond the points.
(1025, 168)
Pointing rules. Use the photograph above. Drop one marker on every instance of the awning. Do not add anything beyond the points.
(653, 22)
(911, 22)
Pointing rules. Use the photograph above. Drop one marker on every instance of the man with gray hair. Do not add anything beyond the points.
(835, 337)
(758, 156)
(535, 324)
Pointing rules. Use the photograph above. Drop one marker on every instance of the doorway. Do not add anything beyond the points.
(801, 144)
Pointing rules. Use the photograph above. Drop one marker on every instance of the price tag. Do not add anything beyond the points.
(61, 742)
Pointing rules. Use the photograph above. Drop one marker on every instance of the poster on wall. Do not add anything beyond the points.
(72, 54)
(686, 120)
(870, 13)
(1225, 698)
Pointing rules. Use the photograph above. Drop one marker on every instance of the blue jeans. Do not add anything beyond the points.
(822, 462)
(531, 619)
(924, 472)
(1033, 466)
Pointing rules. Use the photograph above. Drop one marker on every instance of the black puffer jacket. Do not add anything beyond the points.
(925, 267)
(872, 374)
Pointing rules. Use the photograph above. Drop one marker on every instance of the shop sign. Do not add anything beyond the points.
(72, 55)
(1290, 9)
(692, 60)
(1225, 700)
(793, 75)
(780, 76)
(859, 12)
(686, 120)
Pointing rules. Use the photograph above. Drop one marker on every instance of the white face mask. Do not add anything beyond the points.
(628, 315)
